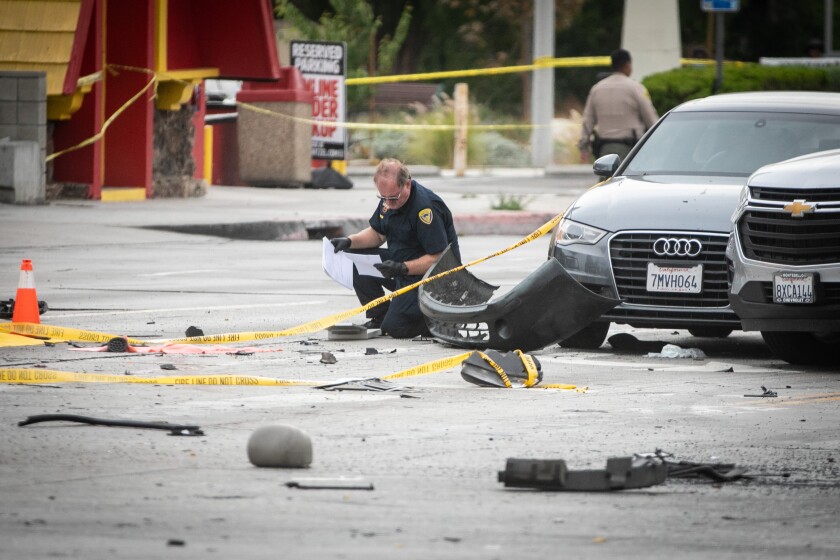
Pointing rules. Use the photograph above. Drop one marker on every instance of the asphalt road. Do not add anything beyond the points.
(432, 455)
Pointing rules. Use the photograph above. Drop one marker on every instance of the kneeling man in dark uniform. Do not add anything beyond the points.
(417, 226)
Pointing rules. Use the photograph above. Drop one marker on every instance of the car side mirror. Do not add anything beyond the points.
(607, 165)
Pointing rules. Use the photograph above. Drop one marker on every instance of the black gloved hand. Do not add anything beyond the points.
(340, 243)
(391, 269)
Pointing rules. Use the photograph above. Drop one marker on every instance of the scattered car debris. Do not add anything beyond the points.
(168, 366)
(193, 331)
(174, 429)
(501, 369)
(340, 483)
(364, 384)
(674, 351)
(621, 473)
(765, 393)
(371, 351)
(118, 344)
(7, 308)
(547, 306)
(626, 342)
(718, 472)
(348, 331)
(328, 358)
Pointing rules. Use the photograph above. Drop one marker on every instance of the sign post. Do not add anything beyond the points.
(719, 7)
(324, 69)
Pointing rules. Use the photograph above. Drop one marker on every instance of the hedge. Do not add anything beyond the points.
(669, 89)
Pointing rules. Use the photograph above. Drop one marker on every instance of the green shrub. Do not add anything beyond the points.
(669, 89)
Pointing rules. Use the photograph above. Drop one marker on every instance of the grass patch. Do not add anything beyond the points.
(510, 202)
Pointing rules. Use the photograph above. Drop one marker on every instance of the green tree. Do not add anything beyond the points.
(370, 51)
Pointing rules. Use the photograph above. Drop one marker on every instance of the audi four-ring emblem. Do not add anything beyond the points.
(677, 247)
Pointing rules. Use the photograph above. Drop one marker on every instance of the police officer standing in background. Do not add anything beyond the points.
(618, 111)
(417, 226)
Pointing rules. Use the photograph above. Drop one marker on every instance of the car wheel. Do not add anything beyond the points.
(710, 332)
(804, 348)
(588, 338)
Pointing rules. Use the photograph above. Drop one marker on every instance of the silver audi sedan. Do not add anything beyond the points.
(654, 233)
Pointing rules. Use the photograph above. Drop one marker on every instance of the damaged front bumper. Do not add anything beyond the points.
(547, 306)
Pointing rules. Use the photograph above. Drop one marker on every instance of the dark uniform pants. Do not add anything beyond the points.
(401, 316)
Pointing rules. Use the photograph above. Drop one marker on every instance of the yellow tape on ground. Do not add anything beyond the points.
(64, 334)
(430, 367)
(78, 335)
(320, 324)
(36, 376)
(32, 376)
(7, 340)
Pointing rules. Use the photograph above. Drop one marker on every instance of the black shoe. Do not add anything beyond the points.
(375, 323)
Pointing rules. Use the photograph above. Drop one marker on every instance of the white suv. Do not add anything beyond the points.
(784, 258)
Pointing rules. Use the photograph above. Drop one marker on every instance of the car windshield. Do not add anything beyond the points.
(731, 142)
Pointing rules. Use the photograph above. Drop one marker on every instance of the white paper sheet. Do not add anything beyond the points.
(339, 266)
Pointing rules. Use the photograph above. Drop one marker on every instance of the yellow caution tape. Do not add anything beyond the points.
(385, 126)
(33, 376)
(539, 64)
(96, 137)
(78, 335)
(430, 367)
(7, 339)
(36, 376)
(320, 324)
(52, 333)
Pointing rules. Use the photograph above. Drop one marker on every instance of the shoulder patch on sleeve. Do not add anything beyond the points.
(425, 215)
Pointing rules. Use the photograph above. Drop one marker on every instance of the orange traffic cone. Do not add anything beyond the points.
(26, 300)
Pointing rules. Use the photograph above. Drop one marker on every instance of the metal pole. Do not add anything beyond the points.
(542, 85)
(718, 52)
(461, 113)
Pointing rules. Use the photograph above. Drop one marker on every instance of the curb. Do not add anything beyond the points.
(497, 223)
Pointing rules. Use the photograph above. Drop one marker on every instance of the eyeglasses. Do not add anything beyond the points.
(390, 198)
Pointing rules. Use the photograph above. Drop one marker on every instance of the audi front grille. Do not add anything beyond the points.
(630, 254)
(770, 234)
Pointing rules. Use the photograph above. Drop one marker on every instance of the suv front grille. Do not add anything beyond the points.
(787, 195)
(777, 237)
(630, 254)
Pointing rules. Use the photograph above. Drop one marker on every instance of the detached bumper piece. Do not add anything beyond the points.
(622, 473)
(497, 369)
(547, 306)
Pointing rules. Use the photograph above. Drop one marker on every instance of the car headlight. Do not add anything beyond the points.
(570, 232)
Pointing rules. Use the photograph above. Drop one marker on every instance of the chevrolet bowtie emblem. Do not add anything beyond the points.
(798, 208)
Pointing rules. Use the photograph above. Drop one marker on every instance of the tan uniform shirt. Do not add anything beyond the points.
(617, 108)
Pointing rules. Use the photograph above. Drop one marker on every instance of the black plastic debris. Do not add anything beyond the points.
(547, 306)
(173, 429)
(328, 358)
(168, 366)
(329, 178)
(340, 483)
(366, 384)
(480, 368)
(7, 308)
(371, 351)
(716, 472)
(626, 342)
(765, 393)
(621, 473)
(193, 331)
(118, 344)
